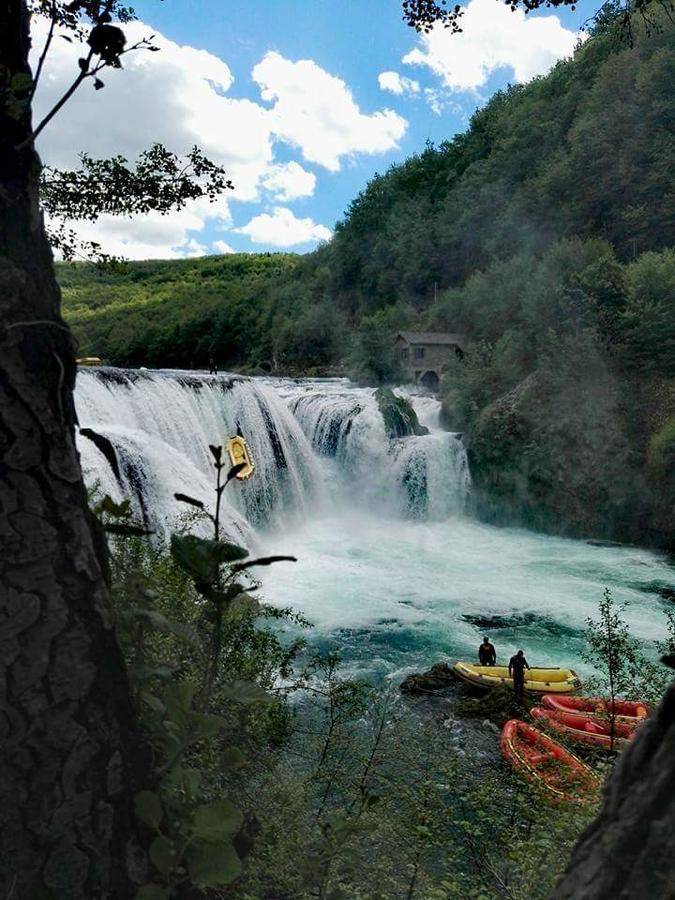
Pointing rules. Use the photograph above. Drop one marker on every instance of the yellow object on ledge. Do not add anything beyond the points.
(240, 452)
(552, 680)
(89, 361)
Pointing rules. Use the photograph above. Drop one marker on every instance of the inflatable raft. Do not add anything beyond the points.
(88, 361)
(239, 452)
(537, 680)
(543, 761)
(625, 709)
(582, 728)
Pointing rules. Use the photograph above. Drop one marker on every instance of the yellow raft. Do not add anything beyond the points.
(240, 452)
(553, 680)
(88, 361)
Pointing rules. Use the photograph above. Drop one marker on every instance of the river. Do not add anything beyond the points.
(393, 569)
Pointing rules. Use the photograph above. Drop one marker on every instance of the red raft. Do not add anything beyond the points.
(627, 709)
(585, 729)
(541, 759)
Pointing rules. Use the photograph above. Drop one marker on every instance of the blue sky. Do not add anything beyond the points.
(302, 101)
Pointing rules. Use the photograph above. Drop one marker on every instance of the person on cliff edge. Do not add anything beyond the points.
(517, 666)
(487, 655)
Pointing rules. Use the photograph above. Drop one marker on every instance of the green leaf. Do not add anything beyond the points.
(148, 808)
(205, 725)
(242, 605)
(152, 892)
(245, 692)
(127, 530)
(154, 703)
(201, 558)
(184, 498)
(163, 854)
(216, 822)
(161, 623)
(21, 81)
(211, 865)
(232, 758)
(263, 561)
(116, 510)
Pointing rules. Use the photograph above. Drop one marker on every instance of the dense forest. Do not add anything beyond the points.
(545, 233)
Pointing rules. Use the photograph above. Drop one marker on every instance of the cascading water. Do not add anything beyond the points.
(420, 477)
(389, 569)
(160, 425)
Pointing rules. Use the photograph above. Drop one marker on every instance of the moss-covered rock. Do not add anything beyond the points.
(400, 419)
(432, 681)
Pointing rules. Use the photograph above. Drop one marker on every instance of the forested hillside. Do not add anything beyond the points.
(545, 233)
(178, 313)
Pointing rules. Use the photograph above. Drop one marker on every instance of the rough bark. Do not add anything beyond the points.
(629, 850)
(70, 757)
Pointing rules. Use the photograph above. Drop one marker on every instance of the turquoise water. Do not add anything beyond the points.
(397, 596)
(392, 570)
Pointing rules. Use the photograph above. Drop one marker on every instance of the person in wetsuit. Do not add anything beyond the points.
(487, 655)
(517, 666)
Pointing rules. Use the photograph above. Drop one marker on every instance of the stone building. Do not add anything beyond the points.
(425, 354)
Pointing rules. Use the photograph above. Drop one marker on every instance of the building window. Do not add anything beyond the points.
(405, 353)
(419, 352)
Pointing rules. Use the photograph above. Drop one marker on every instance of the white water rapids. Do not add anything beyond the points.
(392, 569)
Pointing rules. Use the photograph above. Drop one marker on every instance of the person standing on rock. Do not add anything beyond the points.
(487, 655)
(517, 666)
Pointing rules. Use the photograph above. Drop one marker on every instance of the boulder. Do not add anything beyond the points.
(400, 419)
(432, 681)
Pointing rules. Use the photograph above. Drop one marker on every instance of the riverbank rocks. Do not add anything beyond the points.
(432, 681)
(400, 419)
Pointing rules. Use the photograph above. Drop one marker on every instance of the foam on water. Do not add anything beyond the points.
(392, 595)
(391, 570)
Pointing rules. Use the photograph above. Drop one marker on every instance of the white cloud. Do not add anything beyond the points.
(493, 38)
(397, 84)
(283, 229)
(180, 97)
(289, 181)
(223, 247)
(315, 111)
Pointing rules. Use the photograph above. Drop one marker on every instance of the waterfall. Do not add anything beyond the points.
(160, 425)
(416, 477)
(146, 435)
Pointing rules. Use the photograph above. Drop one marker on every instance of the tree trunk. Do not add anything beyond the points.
(70, 755)
(629, 850)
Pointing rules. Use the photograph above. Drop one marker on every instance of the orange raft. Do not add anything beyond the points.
(541, 759)
(583, 728)
(625, 709)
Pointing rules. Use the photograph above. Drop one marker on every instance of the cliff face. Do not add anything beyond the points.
(572, 456)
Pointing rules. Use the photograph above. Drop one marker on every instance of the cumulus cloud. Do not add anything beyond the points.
(182, 96)
(493, 38)
(223, 247)
(283, 229)
(316, 112)
(289, 181)
(397, 84)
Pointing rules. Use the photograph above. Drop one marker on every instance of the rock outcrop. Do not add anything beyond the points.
(400, 419)
(432, 681)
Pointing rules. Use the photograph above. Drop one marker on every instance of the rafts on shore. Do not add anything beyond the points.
(552, 680)
(625, 709)
(586, 729)
(543, 761)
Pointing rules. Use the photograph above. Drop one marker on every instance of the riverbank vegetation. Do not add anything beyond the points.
(277, 775)
(558, 265)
